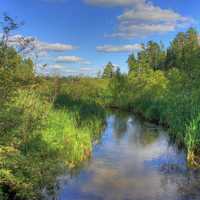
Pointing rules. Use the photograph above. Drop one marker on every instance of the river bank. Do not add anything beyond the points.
(133, 159)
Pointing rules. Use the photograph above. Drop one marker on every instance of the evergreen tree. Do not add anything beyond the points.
(132, 63)
(108, 71)
(155, 55)
(182, 53)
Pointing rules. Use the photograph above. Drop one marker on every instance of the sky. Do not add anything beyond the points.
(81, 36)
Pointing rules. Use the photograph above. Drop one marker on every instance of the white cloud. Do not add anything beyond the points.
(54, 46)
(118, 49)
(56, 66)
(142, 30)
(71, 59)
(66, 70)
(141, 18)
(88, 69)
(115, 65)
(40, 46)
(69, 71)
(149, 12)
(146, 19)
(57, 69)
(85, 69)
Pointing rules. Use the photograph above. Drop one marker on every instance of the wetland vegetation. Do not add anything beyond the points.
(48, 124)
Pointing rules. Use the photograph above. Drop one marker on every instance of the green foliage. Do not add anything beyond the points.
(43, 142)
(24, 72)
(192, 138)
(152, 55)
(108, 71)
(18, 146)
(42, 132)
(163, 86)
(132, 62)
(182, 52)
(155, 55)
(90, 90)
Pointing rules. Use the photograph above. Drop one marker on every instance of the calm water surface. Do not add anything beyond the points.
(132, 161)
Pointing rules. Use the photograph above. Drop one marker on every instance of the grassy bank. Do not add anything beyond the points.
(45, 129)
(163, 86)
(41, 140)
(161, 97)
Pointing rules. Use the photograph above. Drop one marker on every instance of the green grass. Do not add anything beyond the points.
(164, 97)
(44, 141)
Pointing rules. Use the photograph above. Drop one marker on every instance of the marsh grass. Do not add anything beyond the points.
(43, 142)
(167, 98)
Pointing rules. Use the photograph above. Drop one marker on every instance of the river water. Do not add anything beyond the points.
(133, 160)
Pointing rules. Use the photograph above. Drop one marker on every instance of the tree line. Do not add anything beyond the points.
(163, 85)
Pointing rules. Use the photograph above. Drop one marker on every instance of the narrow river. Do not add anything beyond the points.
(133, 160)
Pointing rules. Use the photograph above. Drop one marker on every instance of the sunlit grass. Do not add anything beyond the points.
(45, 142)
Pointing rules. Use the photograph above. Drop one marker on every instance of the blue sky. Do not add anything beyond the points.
(81, 36)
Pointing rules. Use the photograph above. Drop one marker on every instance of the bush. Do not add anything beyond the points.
(43, 142)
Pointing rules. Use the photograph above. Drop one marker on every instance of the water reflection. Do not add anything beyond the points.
(133, 161)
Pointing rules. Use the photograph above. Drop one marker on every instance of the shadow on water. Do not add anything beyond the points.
(134, 160)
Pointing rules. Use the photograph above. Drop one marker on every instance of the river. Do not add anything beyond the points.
(133, 160)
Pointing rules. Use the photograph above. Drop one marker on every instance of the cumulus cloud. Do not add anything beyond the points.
(142, 30)
(54, 46)
(146, 19)
(141, 18)
(118, 49)
(40, 46)
(67, 70)
(61, 69)
(71, 59)
(57, 69)
(56, 66)
(88, 69)
(149, 12)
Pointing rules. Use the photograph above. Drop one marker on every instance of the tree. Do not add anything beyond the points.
(182, 52)
(155, 55)
(108, 71)
(191, 52)
(152, 56)
(175, 53)
(132, 63)
(118, 88)
(8, 25)
(14, 69)
(24, 71)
